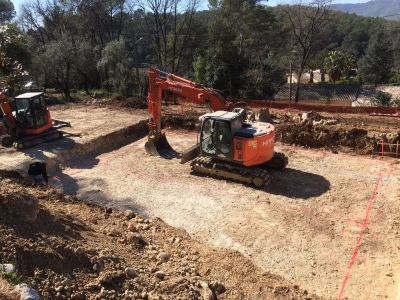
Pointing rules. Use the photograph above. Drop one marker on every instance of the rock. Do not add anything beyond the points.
(78, 296)
(105, 277)
(130, 273)
(98, 266)
(331, 122)
(132, 227)
(65, 282)
(160, 275)
(59, 289)
(111, 231)
(206, 292)
(145, 227)
(7, 268)
(217, 287)
(130, 238)
(264, 116)
(163, 257)
(154, 297)
(129, 214)
(320, 122)
(26, 292)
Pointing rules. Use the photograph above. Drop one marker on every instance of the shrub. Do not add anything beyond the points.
(382, 99)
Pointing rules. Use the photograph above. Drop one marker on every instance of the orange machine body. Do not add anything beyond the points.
(42, 120)
(256, 150)
(229, 137)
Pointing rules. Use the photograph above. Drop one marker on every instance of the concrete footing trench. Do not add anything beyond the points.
(329, 222)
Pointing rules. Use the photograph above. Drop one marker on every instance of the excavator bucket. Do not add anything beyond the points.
(157, 145)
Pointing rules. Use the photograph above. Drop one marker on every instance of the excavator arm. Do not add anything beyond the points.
(190, 91)
(5, 107)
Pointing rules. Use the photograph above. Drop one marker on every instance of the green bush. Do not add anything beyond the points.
(382, 99)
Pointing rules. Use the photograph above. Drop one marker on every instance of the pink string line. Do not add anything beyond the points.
(362, 231)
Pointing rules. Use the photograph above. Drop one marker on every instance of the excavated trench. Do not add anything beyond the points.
(101, 144)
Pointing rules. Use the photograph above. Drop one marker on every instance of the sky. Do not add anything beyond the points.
(17, 3)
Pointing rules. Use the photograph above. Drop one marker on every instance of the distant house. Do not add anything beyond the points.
(309, 77)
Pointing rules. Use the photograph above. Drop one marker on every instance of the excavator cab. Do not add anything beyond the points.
(216, 138)
(27, 121)
(217, 132)
(31, 111)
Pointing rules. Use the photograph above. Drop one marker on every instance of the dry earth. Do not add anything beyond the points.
(328, 223)
(304, 226)
(71, 250)
(88, 123)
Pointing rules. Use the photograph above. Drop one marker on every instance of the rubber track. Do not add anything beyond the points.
(230, 171)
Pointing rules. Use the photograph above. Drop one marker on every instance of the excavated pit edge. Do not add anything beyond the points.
(102, 144)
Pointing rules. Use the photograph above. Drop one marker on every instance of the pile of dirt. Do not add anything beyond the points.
(73, 250)
(188, 121)
(130, 102)
(326, 137)
(314, 130)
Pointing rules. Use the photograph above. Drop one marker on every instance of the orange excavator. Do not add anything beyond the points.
(27, 121)
(229, 145)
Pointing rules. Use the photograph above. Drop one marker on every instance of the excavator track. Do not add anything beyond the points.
(257, 176)
(30, 141)
(278, 162)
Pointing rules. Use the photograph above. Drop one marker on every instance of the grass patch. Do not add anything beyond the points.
(13, 277)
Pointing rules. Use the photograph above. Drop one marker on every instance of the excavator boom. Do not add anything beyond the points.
(159, 82)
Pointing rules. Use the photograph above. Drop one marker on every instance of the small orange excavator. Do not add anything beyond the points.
(27, 122)
(229, 145)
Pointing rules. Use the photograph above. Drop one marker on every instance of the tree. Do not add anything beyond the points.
(7, 12)
(377, 64)
(170, 25)
(338, 64)
(56, 62)
(14, 57)
(115, 59)
(307, 22)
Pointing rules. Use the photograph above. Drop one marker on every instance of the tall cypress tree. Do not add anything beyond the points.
(377, 63)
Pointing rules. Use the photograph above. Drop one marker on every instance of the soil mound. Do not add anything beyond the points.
(78, 251)
(130, 102)
(326, 137)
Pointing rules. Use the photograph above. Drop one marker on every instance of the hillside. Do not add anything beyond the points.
(389, 9)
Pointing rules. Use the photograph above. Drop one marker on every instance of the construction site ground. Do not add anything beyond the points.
(329, 222)
(88, 123)
(67, 249)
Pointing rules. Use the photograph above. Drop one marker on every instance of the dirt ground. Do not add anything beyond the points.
(88, 123)
(328, 223)
(303, 227)
(71, 250)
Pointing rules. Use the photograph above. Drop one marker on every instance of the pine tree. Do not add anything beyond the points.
(377, 63)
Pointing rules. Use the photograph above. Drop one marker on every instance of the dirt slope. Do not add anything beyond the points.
(72, 250)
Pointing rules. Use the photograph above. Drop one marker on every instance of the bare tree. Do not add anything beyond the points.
(307, 20)
(169, 23)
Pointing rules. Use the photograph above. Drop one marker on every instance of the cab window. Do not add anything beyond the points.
(207, 143)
